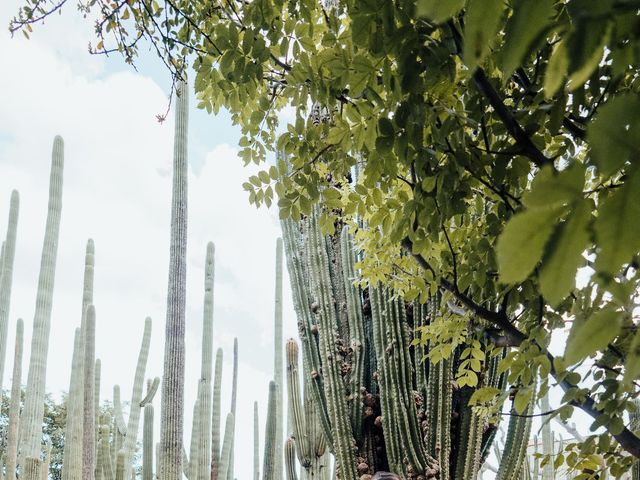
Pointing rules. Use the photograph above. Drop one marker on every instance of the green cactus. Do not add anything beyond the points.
(278, 362)
(234, 396)
(6, 276)
(11, 458)
(88, 437)
(120, 465)
(136, 399)
(515, 446)
(195, 437)
(290, 459)
(44, 466)
(256, 443)
(215, 421)
(225, 455)
(172, 413)
(104, 456)
(547, 440)
(31, 469)
(33, 411)
(147, 443)
(270, 447)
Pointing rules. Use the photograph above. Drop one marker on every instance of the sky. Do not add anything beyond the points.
(117, 191)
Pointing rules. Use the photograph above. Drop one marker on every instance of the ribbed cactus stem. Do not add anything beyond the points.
(195, 437)
(226, 446)
(89, 434)
(215, 418)
(234, 396)
(120, 465)
(278, 362)
(136, 398)
(547, 440)
(6, 276)
(97, 376)
(151, 392)
(147, 443)
(268, 470)
(256, 442)
(105, 466)
(295, 405)
(44, 468)
(515, 446)
(31, 469)
(11, 458)
(172, 413)
(290, 459)
(206, 370)
(33, 412)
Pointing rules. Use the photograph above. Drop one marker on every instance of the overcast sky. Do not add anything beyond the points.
(117, 191)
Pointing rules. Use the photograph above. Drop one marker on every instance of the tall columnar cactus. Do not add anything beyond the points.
(206, 370)
(147, 443)
(172, 414)
(270, 447)
(89, 433)
(290, 459)
(32, 468)
(44, 469)
(6, 276)
(33, 412)
(547, 440)
(379, 406)
(136, 399)
(256, 443)
(234, 396)
(215, 420)
(195, 437)
(11, 458)
(72, 456)
(278, 362)
(515, 446)
(225, 455)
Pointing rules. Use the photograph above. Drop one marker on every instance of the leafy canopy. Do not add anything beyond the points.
(490, 147)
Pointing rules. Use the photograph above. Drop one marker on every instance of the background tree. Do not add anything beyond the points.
(483, 148)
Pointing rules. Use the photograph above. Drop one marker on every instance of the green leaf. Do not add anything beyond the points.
(482, 23)
(618, 226)
(556, 70)
(581, 73)
(564, 254)
(439, 10)
(614, 135)
(521, 400)
(522, 242)
(632, 364)
(530, 18)
(550, 187)
(591, 335)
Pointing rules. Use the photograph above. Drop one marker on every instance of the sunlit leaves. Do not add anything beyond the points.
(439, 10)
(592, 334)
(482, 22)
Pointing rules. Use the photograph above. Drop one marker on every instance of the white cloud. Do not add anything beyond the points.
(117, 191)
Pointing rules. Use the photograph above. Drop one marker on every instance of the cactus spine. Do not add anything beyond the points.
(6, 276)
(136, 398)
(172, 414)
(278, 362)
(33, 412)
(14, 406)
(88, 438)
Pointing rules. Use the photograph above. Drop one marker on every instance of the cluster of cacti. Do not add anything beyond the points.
(98, 443)
(377, 405)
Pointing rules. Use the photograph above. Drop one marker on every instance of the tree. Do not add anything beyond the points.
(483, 148)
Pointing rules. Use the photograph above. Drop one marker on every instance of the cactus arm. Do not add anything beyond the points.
(6, 276)
(33, 411)
(172, 413)
(14, 406)
(278, 362)
(204, 387)
(147, 443)
(88, 437)
(256, 443)
(195, 437)
(151, 392)
(226, 446)
(290, 459)
(300, 432)
(215, 420)
(268, 471)
(131, 439)
(105, 454)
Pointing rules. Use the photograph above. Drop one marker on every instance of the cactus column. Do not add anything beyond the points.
(172, 410)
(6, 276)
(14, 406)
(33, 412)
(89, 431)
(278, 360)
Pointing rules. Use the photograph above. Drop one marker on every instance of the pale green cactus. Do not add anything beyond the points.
(11, 457)
(147, 443)
(33, 411)
(225, 455)
(234, 396)
(268, 463)
(6, 276)
(172, 411)
(89, 433)
(278, 342)
(215, 421)
(32, 469)
(256, 443)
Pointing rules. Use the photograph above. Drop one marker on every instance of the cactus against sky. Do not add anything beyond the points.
(270, 447)
(89, 432)
(215, 421)
(256, 443)
(147, 443)
(278, 363)
(6, 276)
(225, 455)
(33, 411)
(234, 396)
(172, 409)
(11, 457)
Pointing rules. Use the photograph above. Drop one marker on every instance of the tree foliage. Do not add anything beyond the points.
(484, 148)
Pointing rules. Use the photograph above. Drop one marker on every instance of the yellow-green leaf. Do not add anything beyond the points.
(482, 22)
(591, 335)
